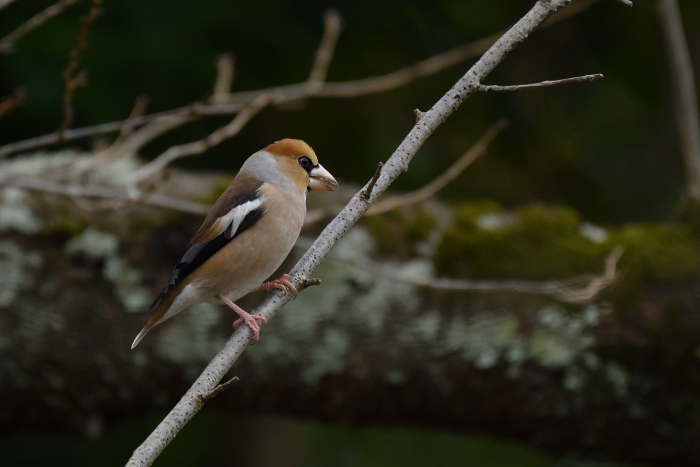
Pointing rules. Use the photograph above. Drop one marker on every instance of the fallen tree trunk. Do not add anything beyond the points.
(615, 376)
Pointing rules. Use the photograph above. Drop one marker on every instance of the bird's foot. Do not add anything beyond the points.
(247, 318)
(283, 283)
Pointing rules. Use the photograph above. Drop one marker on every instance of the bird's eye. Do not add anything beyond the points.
(305, 162)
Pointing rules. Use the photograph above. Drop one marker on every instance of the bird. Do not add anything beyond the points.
(246, 235)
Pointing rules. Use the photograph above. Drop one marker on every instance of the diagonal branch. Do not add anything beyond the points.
(397, 164)
(444, 179)
(196, 109)
(198, 147)
(293, 92)
(11, 102)
(7, 42)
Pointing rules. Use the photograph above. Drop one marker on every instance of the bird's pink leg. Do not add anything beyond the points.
(282, 283)
(246, 318)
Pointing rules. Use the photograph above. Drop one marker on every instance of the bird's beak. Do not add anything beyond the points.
(321, 179)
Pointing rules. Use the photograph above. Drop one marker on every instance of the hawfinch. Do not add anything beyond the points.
(247, 234)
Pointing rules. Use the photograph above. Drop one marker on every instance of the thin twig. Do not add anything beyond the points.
(333, 24)
(370, 186)
(73, 78)
(686, 99)
(116, 194)
(196, 109)
(218, 390)
(445, 178)
(11, 102)
(578, 290)
(138, 110)
(397, 164)
(293, 92)
(398, 78)
(542, 84)
(224, 78)
(7, 42)
(625, 2)
(198, 147)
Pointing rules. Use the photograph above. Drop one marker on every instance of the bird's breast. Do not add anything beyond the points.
(251, 257)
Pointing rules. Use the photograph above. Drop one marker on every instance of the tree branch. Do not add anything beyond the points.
(7, 42)
(333, 24)
(198, 147)
(579, 290)
(224, 78)
(196, 109)
(683, 80)
(542, 84)
(116, 194)
(4, 3)
(397, 164)
(282, 94)
(71, 76)
(444, 179)
(11, 102)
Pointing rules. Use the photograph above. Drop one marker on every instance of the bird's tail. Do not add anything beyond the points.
(161, 311)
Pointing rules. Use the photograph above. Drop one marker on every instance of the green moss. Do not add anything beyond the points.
(664, 251)
(544, 242)
(535, 242)
(397, 232)
(420, 225)
(691, 216)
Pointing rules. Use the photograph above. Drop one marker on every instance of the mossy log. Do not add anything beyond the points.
(617, 377)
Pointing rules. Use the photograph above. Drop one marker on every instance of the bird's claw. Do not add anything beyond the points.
(250, 321)
(283, 283)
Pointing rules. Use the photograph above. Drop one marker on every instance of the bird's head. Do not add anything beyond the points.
(298, 162)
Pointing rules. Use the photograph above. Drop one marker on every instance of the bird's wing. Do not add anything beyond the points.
(237, 209)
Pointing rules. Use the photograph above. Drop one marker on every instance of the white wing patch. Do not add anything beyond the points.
(235, 216)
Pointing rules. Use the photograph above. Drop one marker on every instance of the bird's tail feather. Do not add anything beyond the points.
(161, 312)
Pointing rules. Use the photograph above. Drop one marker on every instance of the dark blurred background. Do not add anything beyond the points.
(609, 149)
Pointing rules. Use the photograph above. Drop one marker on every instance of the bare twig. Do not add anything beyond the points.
(138, 110)
(578, 290)
(116, 194)
(542, 84)
(198, 147)
(11, 102)
(398, 78)
(7, 42)
(224, 78)
(73, 78)
(444, 179)
(397, 164)
(333, 24)
(625, 2)
(217, 390)
(292, 92)
(197, 110)
(370, 186)
(683, 80)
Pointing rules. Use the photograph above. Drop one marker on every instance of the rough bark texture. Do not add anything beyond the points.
(617, 377)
